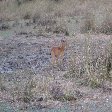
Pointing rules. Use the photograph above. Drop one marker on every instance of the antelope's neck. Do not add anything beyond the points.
(62, 47)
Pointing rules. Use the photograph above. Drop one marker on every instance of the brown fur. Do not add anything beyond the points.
(56, 52)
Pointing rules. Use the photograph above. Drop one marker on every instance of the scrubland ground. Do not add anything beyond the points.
(28, 80)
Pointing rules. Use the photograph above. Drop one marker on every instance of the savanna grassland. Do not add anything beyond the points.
(81, 82)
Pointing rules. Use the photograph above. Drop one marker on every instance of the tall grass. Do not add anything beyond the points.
(94, 69)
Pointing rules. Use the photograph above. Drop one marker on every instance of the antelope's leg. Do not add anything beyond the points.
(53, 58)
(56, 60)
(61, 57)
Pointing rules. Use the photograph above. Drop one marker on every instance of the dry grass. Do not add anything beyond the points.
(92, 71)
(94, 15)
(24, 87)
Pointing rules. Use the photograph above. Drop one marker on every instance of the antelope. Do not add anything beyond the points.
(57, 52)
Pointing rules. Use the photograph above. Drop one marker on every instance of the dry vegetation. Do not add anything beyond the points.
(85, 67)
(93, 15)
(95, 69)
(27, 88)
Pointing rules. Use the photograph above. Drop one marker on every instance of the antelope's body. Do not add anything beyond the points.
(58, 52)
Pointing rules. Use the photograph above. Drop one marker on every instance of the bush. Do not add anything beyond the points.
(19, 2)
(106, 27)
(95, 83)
(36, 17)
(46, 22)
(27, 16)
(2, 87)
(88, 26)
(57, 1)
(4, 27)
(60, 29)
